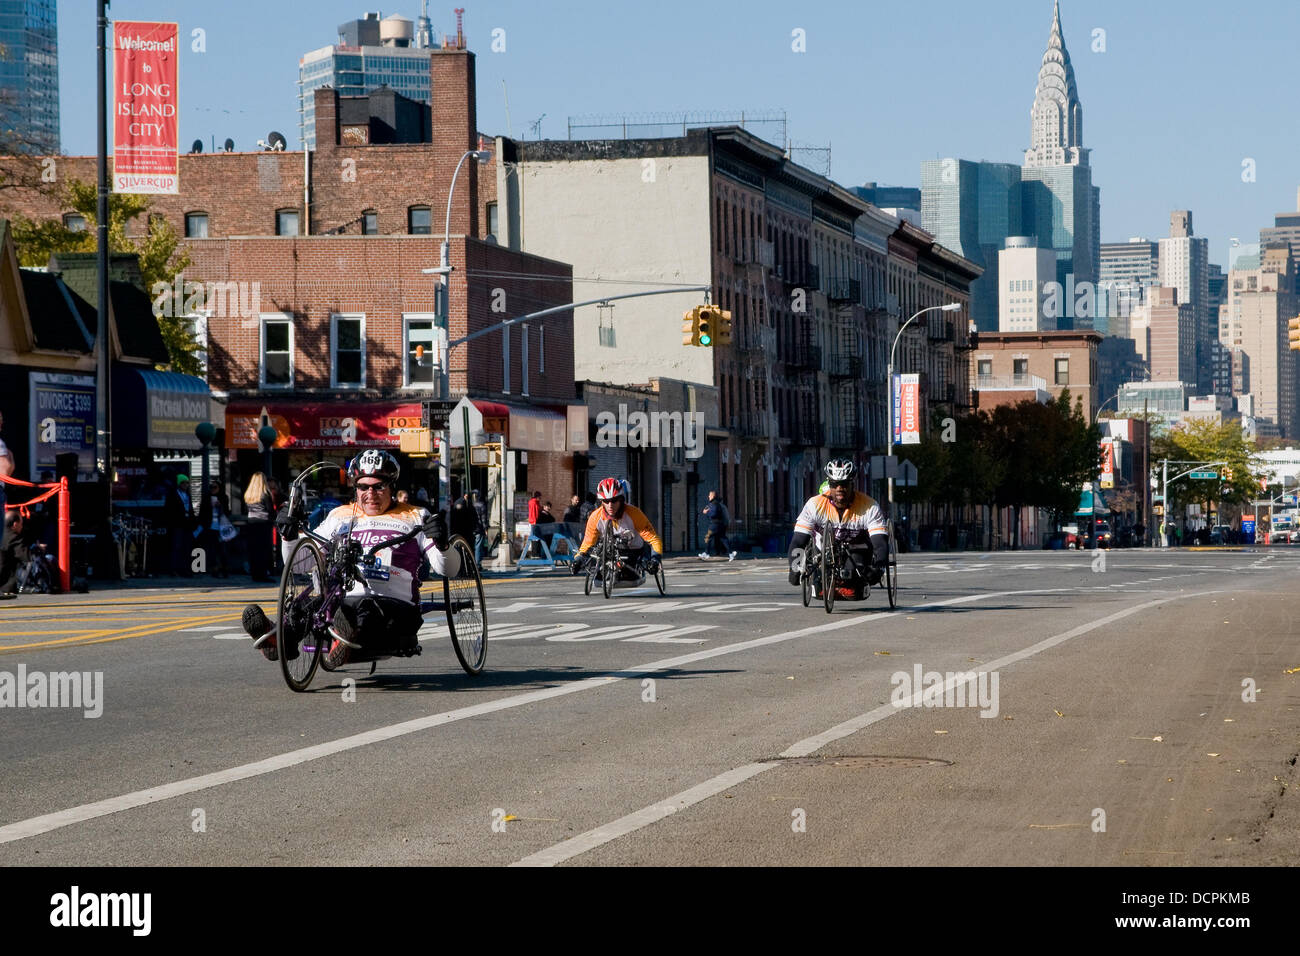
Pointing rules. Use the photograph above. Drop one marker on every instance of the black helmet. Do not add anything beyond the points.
(839, 469)
(374, 463)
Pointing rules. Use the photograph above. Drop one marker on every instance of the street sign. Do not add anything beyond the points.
(906, 474)
(1203, 475)
(434, 413)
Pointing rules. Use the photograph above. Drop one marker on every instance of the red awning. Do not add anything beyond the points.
(324, 425)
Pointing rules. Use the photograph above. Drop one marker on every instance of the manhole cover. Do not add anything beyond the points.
(867, 762)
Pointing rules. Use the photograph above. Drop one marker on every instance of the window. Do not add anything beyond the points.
(286, 222)
(74, 221)
(369, 223)
(419, 221)
(420, 332)
(277, 352)
(1020, 371)
(196, 225)
(492, 219)
(347, 351)
(1062, 371)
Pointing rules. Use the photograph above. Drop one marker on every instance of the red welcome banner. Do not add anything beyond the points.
(332, 425)
(145, 121)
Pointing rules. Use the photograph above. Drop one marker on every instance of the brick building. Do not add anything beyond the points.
(1006, 367)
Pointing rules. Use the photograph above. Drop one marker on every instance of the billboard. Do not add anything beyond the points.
(146, 62)
(63, 419)
(1108, 465)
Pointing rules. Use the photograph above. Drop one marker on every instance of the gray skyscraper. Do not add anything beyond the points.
(1185, 265)
(29, 76)
(1061, 205)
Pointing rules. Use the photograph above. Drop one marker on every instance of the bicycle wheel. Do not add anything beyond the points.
(587, 580)
(660, 582)
(466, 609)
(607, 574)
(891, 572)
(828, 576)
(805, 580)
(302, 588)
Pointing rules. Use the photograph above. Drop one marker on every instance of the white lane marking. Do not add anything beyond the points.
(232, 636)
(583, 842)
(202, 630)
(23, 829)
(643, 818)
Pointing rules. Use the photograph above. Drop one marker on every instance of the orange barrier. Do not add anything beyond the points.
(60, 488)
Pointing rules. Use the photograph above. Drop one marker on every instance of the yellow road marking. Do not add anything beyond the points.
(119, 634)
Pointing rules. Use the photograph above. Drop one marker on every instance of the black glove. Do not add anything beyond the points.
(286, 522)
(652, 566)
(797, 558)
(578, 564)
(435, 527)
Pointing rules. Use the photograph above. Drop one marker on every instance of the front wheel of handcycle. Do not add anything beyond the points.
(805, 580)
(302, 588)
(466, 609)
(587, 580)
(891, 574)
(607, 579)
(660, 582)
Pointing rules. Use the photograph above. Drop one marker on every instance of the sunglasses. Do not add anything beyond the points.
(839, 484)
(372, 486)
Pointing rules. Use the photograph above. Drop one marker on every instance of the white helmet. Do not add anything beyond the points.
(839, 469)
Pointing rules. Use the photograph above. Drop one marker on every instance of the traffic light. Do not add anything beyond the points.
(722, 334)
(1293, 333)
(691, 326)
(705, 324)
(1227, 474)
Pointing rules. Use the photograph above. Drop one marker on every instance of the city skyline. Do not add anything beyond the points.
(880, 127)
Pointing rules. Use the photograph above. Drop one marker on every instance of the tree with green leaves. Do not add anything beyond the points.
(1235, 483)
(160, 258)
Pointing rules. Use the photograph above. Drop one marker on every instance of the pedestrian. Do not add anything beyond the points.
(534, 512)
(257, 532)
(6, 465)
(588, 506)
(715, 512)
(179, 518)
(462, 519)
(214, 520)
(546, 516)
(403, 497)
(13, 554)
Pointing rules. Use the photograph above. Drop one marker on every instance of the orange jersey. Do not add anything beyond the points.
(627, 526)
(862, 514)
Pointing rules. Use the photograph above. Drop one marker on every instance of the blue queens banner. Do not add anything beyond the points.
(63, 420)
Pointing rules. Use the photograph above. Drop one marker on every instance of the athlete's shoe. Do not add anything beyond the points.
(874, 575)
(338, 653)
(341, 630)
(704, 556)
(732, 556)
(259, 627)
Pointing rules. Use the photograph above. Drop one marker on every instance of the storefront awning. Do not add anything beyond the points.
(526, 428)
(322, 425)
(157, 409)
(1091, 502)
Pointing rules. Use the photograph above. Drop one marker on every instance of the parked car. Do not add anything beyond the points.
(1222, 534)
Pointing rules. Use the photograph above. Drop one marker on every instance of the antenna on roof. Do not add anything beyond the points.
(197, 146)
(460, 28)
(536, 127)
(275, 141)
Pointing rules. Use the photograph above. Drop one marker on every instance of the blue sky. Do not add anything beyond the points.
(1184, 92)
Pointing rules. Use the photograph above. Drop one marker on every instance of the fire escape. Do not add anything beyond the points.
(845, 425)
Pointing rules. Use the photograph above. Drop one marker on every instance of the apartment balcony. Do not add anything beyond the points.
(802, 355)
(808, 434)
(754, 251)
(845, 435)
(843, 290)
(841, 365)
(795, 276)
(1002, 382)
(942, 332)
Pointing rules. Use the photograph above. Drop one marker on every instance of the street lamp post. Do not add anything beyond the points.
(205, 432)
(889, 388)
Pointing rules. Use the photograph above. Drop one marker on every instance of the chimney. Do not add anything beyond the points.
(455, 130)
(327, 117)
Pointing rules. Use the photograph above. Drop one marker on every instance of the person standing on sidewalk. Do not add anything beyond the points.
(257, 502)
(6, 466)
(715, 512)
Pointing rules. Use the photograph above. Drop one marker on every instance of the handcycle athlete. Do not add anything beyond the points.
(628, 524)
(861, 521)
(380, 613)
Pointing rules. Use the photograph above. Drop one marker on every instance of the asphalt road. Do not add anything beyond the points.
(1139, 708)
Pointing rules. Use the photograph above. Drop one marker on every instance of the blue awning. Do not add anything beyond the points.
(153, 409)
(1091, 502)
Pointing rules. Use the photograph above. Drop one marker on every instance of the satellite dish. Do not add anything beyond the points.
(275, 141)
(229, 145)
(197, 147)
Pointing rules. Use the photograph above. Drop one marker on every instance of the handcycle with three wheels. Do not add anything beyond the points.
(319, 572)
(614, 570)
(825, 568)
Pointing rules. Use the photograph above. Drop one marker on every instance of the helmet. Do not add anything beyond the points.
(609, 489)
(374, 463)
(839, 469)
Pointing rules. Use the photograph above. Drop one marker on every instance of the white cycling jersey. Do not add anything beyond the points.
(398, 574)
(861, 518)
